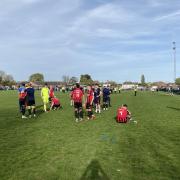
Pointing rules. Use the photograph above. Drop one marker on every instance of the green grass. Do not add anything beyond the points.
(53, 146)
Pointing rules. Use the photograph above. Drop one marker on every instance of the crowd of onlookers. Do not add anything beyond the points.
(7, 88)
(115, 89)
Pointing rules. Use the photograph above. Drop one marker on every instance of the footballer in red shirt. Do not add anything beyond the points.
(89, 102)
(123, 115)
(55, 104)
(51, 92)
(22, 100)
(78, 97)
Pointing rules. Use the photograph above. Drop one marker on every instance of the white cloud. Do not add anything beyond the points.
(156, 3)
(168, 16)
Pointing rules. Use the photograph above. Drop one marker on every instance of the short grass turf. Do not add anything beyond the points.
(53, 146)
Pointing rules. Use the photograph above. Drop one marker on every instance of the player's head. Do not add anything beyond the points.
(89, 87)
(124, 105)
(28, 85)
(46, 84)
(96, 86)
(23, 84)
(77, 85)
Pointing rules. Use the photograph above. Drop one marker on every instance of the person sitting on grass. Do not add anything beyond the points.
(55, 104)
(123, 114)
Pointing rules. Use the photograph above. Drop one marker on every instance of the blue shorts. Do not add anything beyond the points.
(97, 100)
(105, 99)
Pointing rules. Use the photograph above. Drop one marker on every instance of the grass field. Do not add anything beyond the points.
(54, 147)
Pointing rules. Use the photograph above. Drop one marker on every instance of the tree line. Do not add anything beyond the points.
(8, 80)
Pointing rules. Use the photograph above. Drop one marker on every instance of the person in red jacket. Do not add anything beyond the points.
(78, 98)
(55, 104)
(51, 93)
(123, 114)
(89, 102)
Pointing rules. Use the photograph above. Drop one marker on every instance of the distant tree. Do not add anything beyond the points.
(143, 82)
(65, 79)
(86, 79)
(73, 80)
(177, 81)
(2, 76)
(37, 77)
(6, 79)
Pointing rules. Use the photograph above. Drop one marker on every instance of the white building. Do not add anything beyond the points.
(154, 88)
(128, 86)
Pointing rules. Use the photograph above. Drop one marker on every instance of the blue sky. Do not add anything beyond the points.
(109, 39)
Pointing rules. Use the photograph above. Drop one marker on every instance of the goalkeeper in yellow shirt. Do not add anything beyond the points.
(45, 96)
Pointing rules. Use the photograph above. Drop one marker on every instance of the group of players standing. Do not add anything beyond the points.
(27, 99)
(91, 98)
(90, 101)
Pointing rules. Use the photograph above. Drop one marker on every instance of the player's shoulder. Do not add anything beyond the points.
(44, 89)
(20, 89)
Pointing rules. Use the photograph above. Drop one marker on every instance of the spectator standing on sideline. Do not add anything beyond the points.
(135, 91)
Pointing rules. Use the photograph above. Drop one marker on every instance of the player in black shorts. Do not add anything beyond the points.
(97, 99)
(106, 93)
(30, 100)
(78, 98)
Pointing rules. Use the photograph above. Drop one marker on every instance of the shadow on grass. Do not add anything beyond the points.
(39, 110)
(94, 172)
(174, 108)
